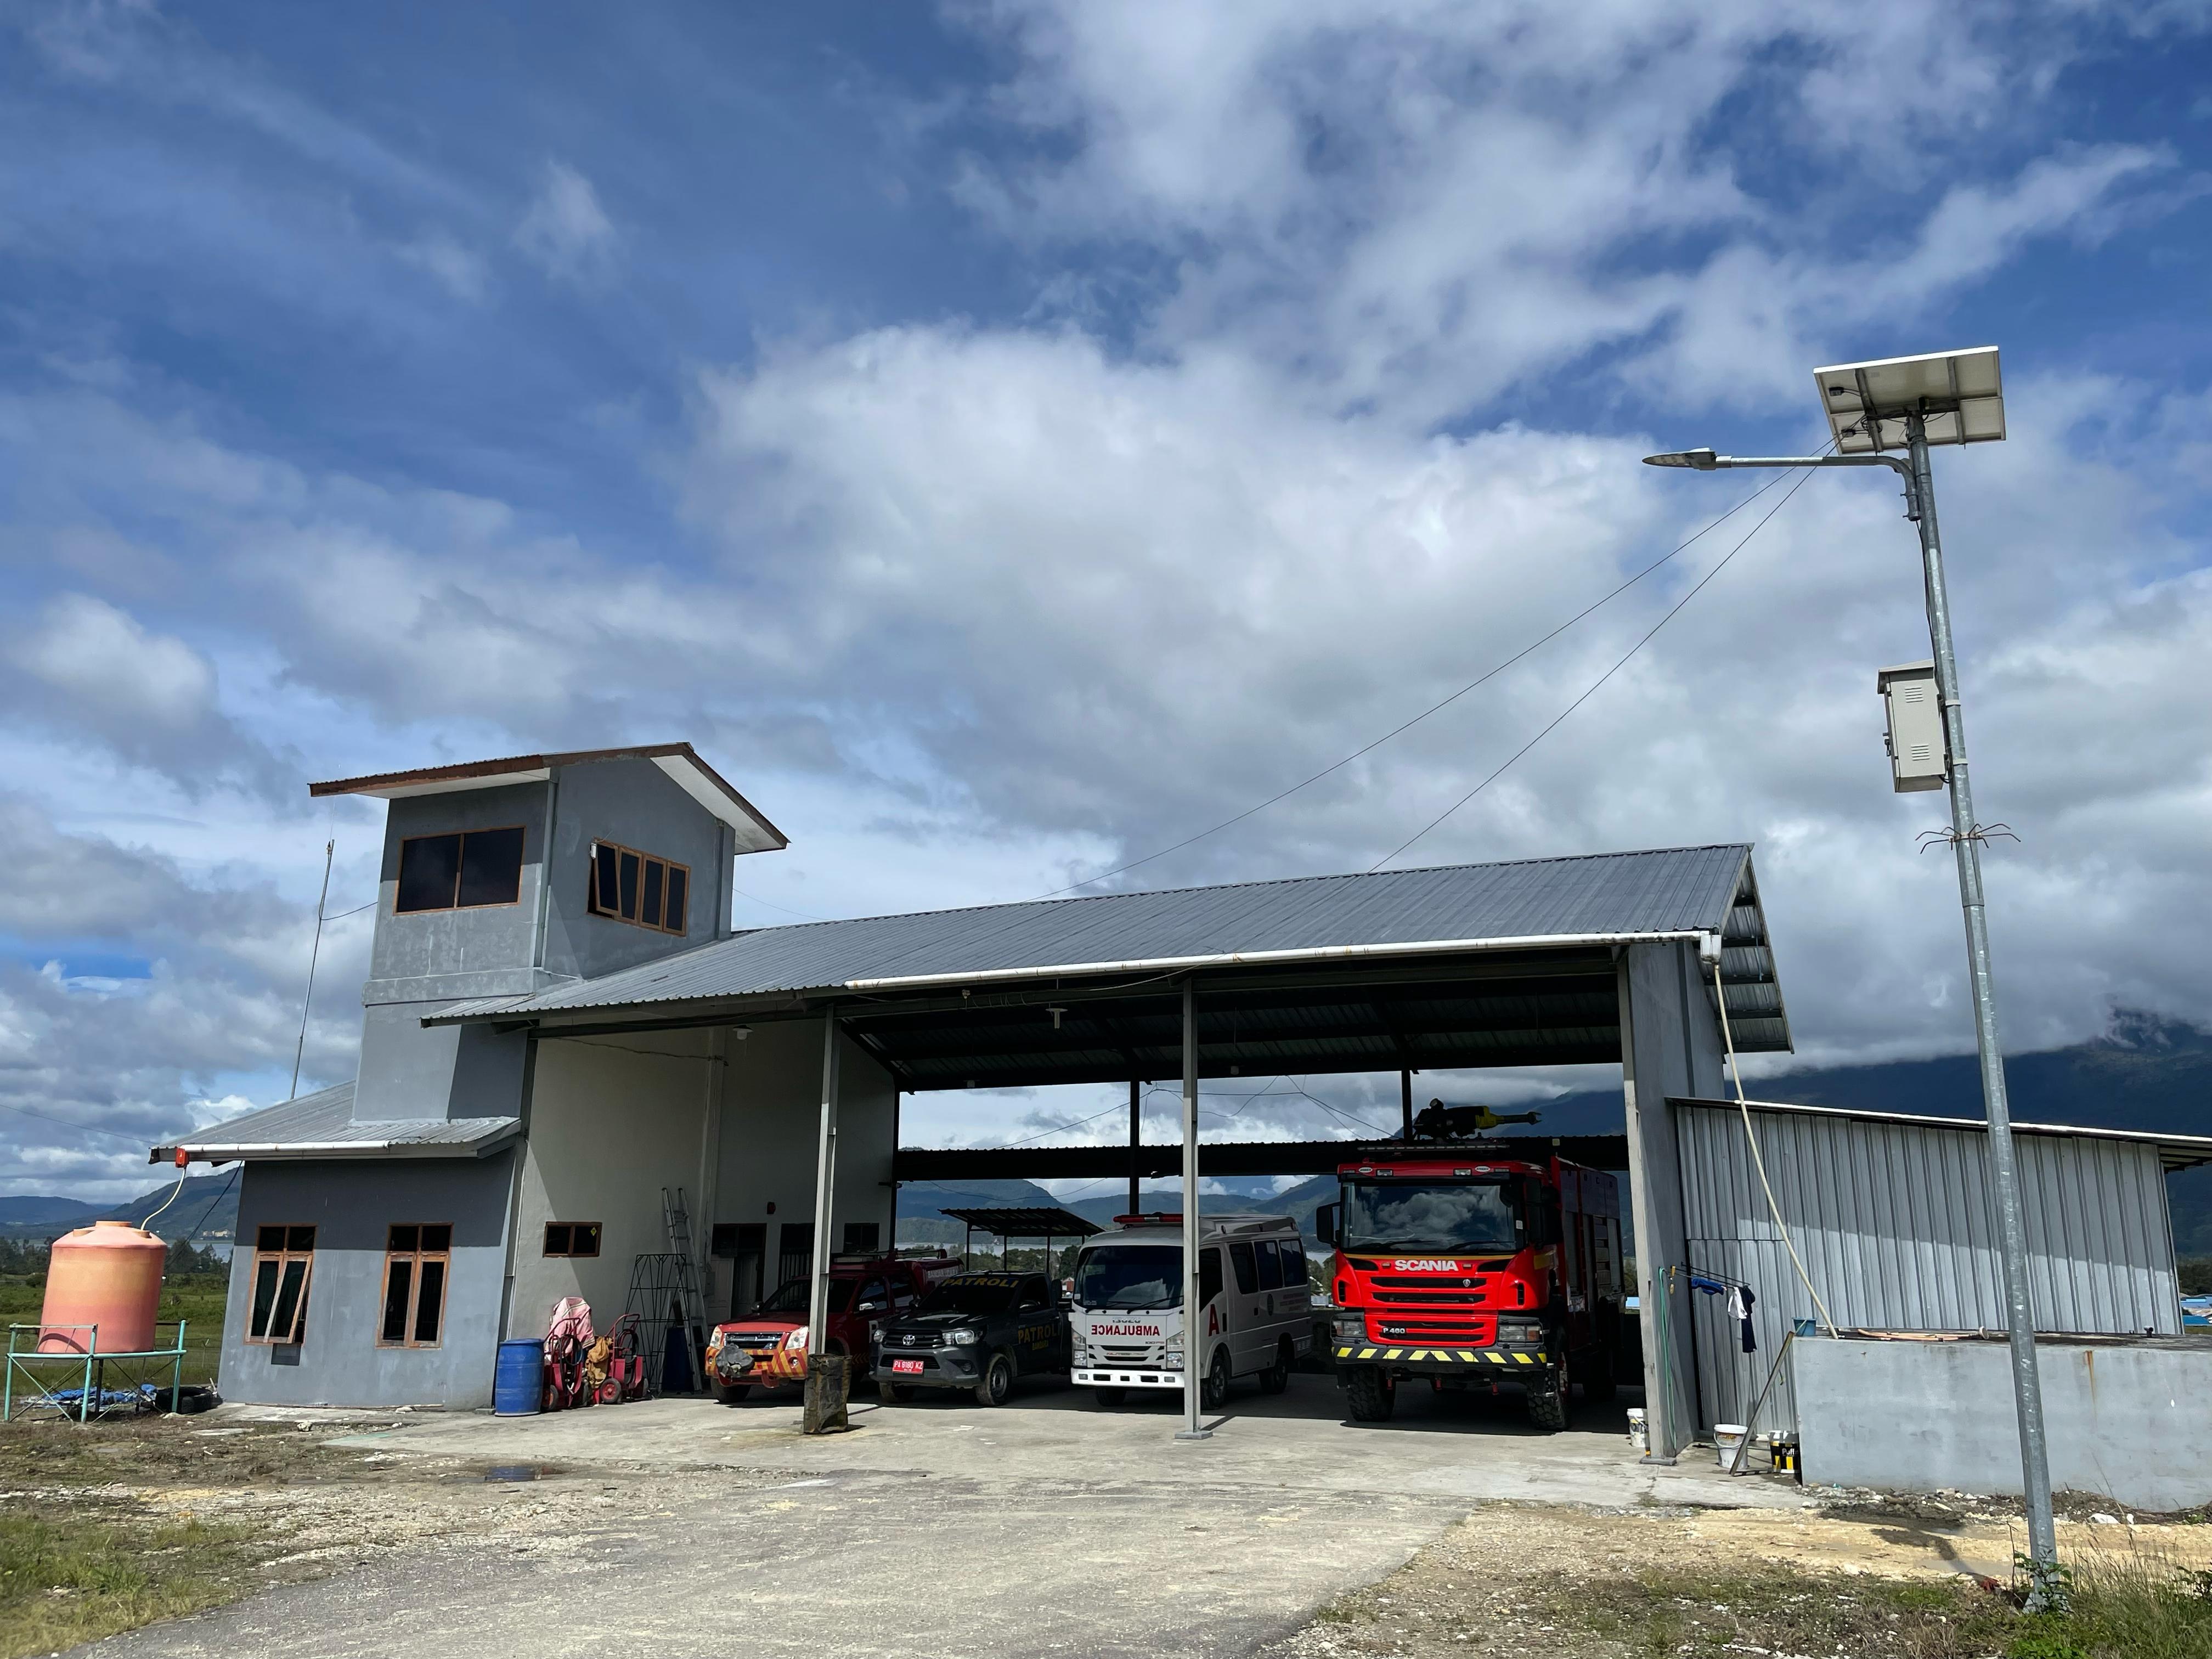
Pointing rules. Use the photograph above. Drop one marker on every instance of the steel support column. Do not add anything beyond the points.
(1193, 1316)
(825, 1176)
(1136, 1141)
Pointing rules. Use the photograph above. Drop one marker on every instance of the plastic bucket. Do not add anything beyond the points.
(1727, 1436)
(1640, 1431)
(518, 1381)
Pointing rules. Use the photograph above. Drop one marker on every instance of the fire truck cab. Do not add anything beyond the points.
(1474, 1267)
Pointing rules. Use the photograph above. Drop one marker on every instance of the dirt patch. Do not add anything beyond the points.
(1573, 1582)
(112, 1525)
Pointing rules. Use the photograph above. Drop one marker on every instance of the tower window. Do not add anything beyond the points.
(463, 871)
(635, 887)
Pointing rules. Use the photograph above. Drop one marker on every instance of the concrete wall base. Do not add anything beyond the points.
(2129, 1419)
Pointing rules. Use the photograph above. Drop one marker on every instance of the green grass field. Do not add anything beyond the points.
(196, 1298)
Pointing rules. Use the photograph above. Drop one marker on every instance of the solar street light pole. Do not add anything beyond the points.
(1965, 838)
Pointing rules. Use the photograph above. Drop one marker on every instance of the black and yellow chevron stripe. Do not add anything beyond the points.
(1449, 1356)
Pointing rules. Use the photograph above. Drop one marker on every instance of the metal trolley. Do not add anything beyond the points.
(41, 1378)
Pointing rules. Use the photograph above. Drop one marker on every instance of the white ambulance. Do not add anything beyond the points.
(1127, 1313)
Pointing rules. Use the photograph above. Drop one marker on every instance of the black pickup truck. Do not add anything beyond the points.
(978, 1331)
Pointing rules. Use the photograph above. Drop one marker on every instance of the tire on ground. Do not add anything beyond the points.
(1371, 1394)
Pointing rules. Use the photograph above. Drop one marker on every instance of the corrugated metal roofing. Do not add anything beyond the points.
(1894, 1218)
(1671, 891)
(325, 1121)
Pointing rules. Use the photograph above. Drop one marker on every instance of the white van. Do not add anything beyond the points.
(1126, 1318)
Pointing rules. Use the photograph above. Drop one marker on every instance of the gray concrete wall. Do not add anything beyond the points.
(1671, 1045)
(612, 1120)
(430, 955)
(634, 803)
(2128, 1420)
(771, 1126)
(446, 1071)
(351, 1204)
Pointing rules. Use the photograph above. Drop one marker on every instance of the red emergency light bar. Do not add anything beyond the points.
(1155, 1219)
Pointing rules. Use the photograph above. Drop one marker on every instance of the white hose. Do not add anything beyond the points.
(1735, 1074)
(147, 1225)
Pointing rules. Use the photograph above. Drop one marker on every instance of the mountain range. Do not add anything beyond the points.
(2144, 1073)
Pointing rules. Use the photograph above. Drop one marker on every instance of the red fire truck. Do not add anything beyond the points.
(1473, 1265)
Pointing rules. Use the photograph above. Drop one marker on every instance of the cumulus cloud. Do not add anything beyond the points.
(565, 231)
(1252, 466)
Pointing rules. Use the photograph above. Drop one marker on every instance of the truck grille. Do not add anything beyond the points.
(1431, 1296)
(1427, 1287)
(1126, 1354)
(754, 1340)
(1472, 1329)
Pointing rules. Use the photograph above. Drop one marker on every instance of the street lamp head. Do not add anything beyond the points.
(1959, 396)
(1704, 459)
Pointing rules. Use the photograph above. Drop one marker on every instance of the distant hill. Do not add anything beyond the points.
(33, 1212)
(2144, 1073)
(197, 1211)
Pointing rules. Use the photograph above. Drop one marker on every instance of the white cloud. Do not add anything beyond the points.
(460, 269)
(565, 231)
(103, 658)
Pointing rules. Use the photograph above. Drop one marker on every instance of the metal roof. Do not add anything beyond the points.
(1534, 905)
(322, 1125)
(2174, 1152)
(679, 760)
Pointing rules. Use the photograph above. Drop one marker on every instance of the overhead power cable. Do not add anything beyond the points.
(1433, 709)
(88, 1128)
(1594, 686)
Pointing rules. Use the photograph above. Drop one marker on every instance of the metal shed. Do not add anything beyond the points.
(1894, 1220)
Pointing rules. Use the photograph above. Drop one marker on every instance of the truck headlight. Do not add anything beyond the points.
(796, 1338)
(1524, 1333)
(1351, 1330)
(963, 1338)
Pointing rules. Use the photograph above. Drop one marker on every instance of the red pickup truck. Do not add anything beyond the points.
(766, 1349)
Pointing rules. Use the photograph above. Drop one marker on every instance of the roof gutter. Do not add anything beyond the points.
(1708, 944)
(214, 1153)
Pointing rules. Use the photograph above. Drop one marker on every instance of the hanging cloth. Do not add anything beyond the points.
(1741, 1300)
(1709, 1286)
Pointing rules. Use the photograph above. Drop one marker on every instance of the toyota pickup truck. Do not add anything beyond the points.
(980, 1332)
(766, 1349)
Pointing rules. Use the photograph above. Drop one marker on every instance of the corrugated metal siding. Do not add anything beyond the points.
(1676, 889)
(1898, 1228)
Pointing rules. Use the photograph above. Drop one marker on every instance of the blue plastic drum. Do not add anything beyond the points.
(517, 1383)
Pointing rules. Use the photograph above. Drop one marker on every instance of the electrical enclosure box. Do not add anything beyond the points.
(1919, 757)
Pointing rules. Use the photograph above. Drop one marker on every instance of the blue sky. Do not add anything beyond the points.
(1008, 438)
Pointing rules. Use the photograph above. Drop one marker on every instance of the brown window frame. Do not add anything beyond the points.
(594, 887)
(288, 1250)
(415, 1258)
(568, 1229)
(460, 861)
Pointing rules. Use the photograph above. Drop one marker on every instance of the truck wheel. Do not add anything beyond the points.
(1109, 1398)
(1547, 1397)
(997, 1383)
(900, 1394)
(1214, 1390)
(1372, 1393)
(730, 1393)
(1277, 1376)
(1597, 1375)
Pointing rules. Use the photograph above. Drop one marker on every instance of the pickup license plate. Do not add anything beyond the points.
(905, 1365)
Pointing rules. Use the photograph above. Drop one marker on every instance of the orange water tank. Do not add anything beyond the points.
(108, 1275)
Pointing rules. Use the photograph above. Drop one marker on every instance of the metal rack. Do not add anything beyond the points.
(86, 1361)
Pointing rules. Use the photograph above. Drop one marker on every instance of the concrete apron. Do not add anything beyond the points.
(1045, 1525)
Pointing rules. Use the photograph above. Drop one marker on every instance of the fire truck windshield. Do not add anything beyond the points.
(1411, 1215)
(1130, 1276)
